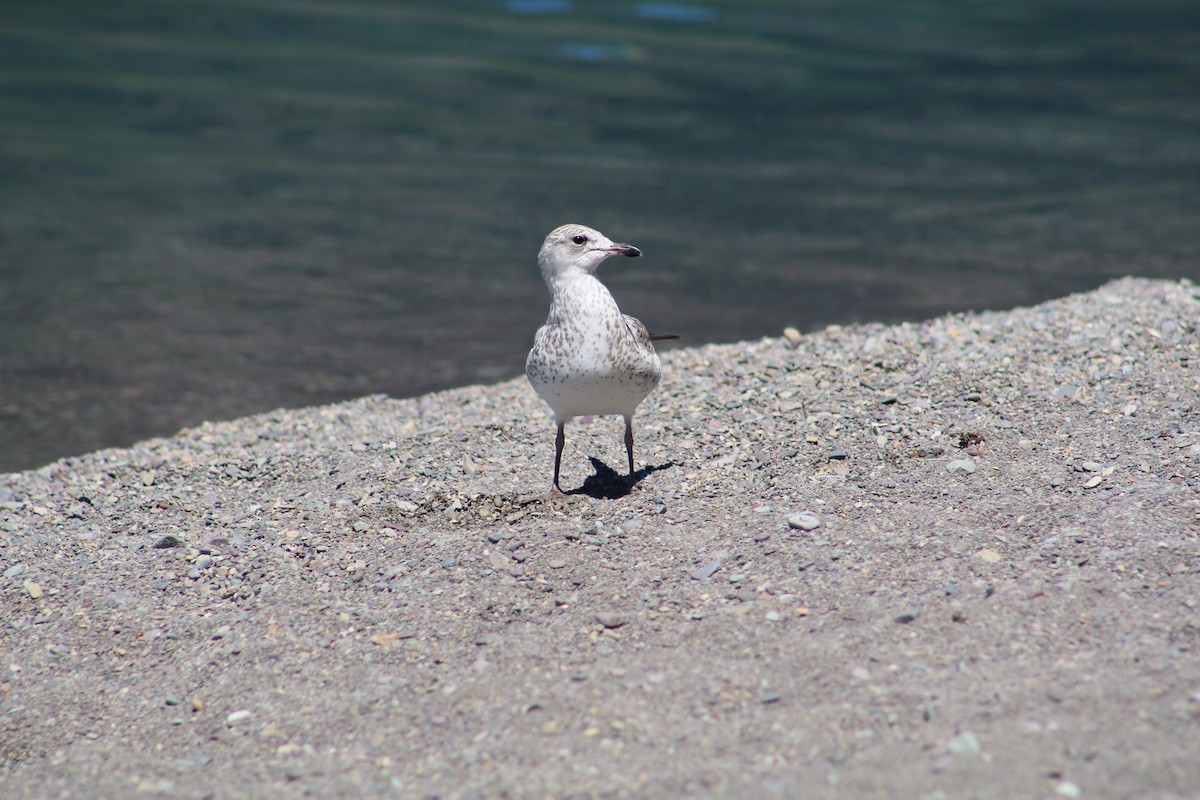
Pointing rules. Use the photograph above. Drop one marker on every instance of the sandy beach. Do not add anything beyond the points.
(957, 558)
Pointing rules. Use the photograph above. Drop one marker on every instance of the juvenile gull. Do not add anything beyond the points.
(589, 358)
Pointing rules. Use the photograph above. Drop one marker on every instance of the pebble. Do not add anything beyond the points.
(34, 590)
(556, 563)
(961, 466)
(238, 716)
(709, 568)
(905, 618)
(1067, 789)
(610, 619)
(1094, 481)
(804, 521)
(168, 542)
(965, 743)
(14, 570)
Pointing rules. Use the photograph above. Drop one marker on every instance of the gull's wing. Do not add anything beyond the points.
(642, 336)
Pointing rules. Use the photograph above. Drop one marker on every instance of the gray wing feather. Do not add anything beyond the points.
(642, 335)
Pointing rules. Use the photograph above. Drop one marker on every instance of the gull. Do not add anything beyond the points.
(589, 359)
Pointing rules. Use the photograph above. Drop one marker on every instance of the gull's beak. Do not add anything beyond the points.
(624, 250)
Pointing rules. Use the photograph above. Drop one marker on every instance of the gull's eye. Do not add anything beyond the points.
(579, 239)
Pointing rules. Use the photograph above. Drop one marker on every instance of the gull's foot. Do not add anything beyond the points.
(555, 495)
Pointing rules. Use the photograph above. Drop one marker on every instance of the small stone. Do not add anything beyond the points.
(961, 466)
(767, 699)
(990, 556)
(1094, 481)
(610, 619)
(965, 743)
(905, 618)
(14, 570)
(556, 563)
(238, 716)
(838, 455)
(168, 542)
(204, 562)
(772, 616)
(792, 335)
(1067, 789)
(499, 560)
(1091, 466)
(804, 521)
(715, 561)
(34, 590)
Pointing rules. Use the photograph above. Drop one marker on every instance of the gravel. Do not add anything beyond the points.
(379, 598)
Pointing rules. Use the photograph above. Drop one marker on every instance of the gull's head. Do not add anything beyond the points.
(572, 248)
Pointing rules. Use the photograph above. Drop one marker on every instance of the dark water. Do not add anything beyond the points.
(214, 208)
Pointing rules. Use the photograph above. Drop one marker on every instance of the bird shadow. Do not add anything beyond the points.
(608, 484)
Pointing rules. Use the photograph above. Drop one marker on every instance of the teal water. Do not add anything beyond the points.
(209, 209)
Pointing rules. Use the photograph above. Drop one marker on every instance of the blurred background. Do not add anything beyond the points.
(209, 209)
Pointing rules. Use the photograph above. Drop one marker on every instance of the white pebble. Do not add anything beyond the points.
(240, 715)
(805, 521)
(963, 466)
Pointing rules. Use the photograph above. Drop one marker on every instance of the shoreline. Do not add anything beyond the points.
(961, 555)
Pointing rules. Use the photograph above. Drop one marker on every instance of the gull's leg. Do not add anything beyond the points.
(629, 442)
(559, 441)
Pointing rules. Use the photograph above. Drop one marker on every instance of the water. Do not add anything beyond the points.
(209, 209)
